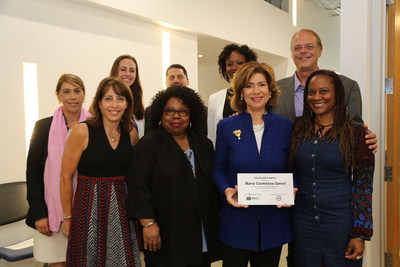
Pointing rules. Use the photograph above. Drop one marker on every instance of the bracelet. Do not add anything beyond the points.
(67, 217)
(148, 224)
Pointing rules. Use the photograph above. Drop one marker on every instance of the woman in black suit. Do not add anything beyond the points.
(170, 187)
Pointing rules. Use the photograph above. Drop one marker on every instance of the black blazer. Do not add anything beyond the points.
(161, 185)
(37, 156)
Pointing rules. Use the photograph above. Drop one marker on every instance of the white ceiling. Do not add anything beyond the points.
(333, 6)
(210, 48)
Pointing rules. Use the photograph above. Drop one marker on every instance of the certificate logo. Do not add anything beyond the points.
(279, 198)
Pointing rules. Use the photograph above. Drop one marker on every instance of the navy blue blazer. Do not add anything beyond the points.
(240, 227)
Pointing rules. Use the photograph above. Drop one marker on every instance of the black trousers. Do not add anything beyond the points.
(291, 262)
(205, 262)
(234, 257)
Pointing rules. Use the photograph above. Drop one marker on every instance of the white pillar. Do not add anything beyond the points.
(362, 58)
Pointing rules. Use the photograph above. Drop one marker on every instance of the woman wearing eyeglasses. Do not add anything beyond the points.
(170, 188)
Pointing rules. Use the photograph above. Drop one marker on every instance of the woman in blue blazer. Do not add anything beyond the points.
(255, 141)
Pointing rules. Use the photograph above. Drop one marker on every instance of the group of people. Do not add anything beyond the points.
(104, 183)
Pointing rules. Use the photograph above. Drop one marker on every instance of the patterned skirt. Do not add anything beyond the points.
(101, 234)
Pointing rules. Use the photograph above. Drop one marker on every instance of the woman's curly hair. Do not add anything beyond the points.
(189, 98)
(244, 50)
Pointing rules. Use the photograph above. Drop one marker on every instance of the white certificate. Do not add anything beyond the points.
(265, 188)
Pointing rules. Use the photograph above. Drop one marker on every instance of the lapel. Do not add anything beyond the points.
(219, 102)
(287, 98)
(199, 181)
(177, 158)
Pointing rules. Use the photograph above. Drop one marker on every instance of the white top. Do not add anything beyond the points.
(258, 132)
(216, 104)
(140, 125)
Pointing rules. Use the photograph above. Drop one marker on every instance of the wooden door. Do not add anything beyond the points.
(392, 246)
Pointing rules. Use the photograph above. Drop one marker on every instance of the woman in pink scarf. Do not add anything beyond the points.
(43, 170)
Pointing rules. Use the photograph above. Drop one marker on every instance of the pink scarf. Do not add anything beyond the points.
(58, 135)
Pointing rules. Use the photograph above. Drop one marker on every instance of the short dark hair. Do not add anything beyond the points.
(189, 98)
(244, 50)
(177, 66)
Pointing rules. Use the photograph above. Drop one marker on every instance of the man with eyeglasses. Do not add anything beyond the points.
(306, 48)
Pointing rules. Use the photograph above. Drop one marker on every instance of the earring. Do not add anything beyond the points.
(241, 98)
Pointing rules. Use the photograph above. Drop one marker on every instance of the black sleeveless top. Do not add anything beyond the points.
(100, 159)
(227, 111)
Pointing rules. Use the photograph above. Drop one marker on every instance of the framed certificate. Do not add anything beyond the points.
(265, 188)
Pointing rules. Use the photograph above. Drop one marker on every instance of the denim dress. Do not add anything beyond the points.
(324, 208)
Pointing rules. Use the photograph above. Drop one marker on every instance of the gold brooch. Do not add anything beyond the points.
(237, 133)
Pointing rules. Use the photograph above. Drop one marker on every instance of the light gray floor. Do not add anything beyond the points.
(31, 262)
(282, 263)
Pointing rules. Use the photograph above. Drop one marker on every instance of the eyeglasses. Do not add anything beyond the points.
(308, 47)
(181, 112)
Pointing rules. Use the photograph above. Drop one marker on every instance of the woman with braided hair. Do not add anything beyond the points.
(334, 170)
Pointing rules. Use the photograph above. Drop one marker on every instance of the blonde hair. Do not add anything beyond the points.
(317, 38)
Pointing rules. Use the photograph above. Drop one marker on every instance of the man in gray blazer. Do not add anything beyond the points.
(306, 48)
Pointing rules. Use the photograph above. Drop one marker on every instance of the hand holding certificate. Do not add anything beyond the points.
(232, 197)
(265, 189)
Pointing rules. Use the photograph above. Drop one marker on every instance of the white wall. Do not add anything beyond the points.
(253, 22)
(67, 37)
(328, 28)
(363, 59)
(81, 38)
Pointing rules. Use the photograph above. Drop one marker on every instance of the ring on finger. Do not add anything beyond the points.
(359, 257)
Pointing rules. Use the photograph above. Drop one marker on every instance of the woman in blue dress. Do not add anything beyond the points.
(334, 169)
(255, 141)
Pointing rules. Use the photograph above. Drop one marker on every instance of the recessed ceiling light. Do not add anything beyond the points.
(200, 55)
